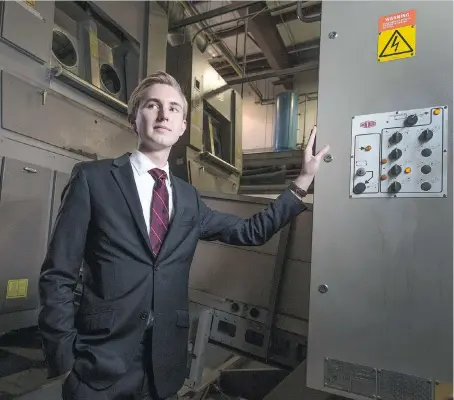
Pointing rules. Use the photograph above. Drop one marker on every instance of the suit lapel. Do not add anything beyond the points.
(125, 179)
(170, 240)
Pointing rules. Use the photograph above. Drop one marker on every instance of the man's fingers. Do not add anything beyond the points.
(322, 153)
(310, 143)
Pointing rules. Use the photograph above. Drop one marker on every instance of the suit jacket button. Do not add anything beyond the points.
(143, 315)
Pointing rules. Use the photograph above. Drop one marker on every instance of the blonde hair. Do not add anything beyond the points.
(157, 78)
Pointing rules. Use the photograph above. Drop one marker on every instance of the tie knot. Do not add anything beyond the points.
(158, 174)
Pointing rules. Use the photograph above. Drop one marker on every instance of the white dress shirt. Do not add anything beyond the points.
(141, 164)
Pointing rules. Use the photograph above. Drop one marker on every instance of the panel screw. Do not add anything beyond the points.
(323, 288)
(328, 158)
(332, 35)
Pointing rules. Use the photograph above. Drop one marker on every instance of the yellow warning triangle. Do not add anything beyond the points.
(397, 44)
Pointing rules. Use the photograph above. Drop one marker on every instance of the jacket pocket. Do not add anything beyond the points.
(182, 319)
(96, 322)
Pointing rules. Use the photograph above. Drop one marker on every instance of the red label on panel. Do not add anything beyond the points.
(367, 124)
(397, 20)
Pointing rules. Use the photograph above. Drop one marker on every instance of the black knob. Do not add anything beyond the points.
(426, 186)
(426, 152)
(395, 154)
(411, 120)
(394, 187)
(426, 135)
(395, 138)
(143, 315)
(359, 188)
(395, 170)
(425, 169)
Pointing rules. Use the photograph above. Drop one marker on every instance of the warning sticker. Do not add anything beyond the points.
(31, 2)
(396, 36)
(17, 289)
(397, 20)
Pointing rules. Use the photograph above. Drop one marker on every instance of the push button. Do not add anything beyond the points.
(144, 316)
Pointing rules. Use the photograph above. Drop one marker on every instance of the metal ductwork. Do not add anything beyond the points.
(176, 12)
(204, 38)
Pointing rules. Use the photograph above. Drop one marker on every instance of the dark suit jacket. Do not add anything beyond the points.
(100, 222)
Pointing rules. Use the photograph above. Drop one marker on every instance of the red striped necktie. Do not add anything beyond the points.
(159, 214)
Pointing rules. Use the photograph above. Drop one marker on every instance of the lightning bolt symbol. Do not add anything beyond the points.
(395, 44)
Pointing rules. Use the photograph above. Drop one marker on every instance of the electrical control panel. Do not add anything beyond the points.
(400, 154)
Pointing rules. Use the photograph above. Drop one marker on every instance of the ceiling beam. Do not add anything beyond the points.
(285, 17)
(215, 12)
(268, 38)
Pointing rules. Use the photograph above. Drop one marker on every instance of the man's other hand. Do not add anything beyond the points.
(311, 162)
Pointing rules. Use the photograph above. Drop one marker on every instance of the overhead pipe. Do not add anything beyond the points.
(274, 74)
(304, 18)
(312, 66)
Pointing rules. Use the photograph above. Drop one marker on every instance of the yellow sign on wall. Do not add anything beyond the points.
(17, 289)
(396, 36)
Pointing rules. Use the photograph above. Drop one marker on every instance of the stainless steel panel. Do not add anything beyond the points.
(29, 28)
(24, 212)
(61, 122)
(387, 263)
(232, 273)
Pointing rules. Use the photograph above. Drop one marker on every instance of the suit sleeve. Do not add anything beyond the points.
(253, 231)
(60, 272)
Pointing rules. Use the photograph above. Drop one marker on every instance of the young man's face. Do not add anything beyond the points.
(160, 118)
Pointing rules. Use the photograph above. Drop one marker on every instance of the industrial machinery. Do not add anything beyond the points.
(59, 105)
(209, 154)
(380, 262)
(354, 297)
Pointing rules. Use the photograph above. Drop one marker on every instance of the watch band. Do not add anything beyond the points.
(297, 190)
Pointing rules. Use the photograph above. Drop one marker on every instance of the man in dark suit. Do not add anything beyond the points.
(136, 228)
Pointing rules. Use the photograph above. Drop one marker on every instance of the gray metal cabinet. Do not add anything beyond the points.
(25, 198)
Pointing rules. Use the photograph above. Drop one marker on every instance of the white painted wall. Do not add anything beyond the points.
(258, 120)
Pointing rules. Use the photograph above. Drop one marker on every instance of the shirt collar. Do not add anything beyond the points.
(142, 164)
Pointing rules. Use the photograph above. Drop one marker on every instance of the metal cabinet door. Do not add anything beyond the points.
(24, 223)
